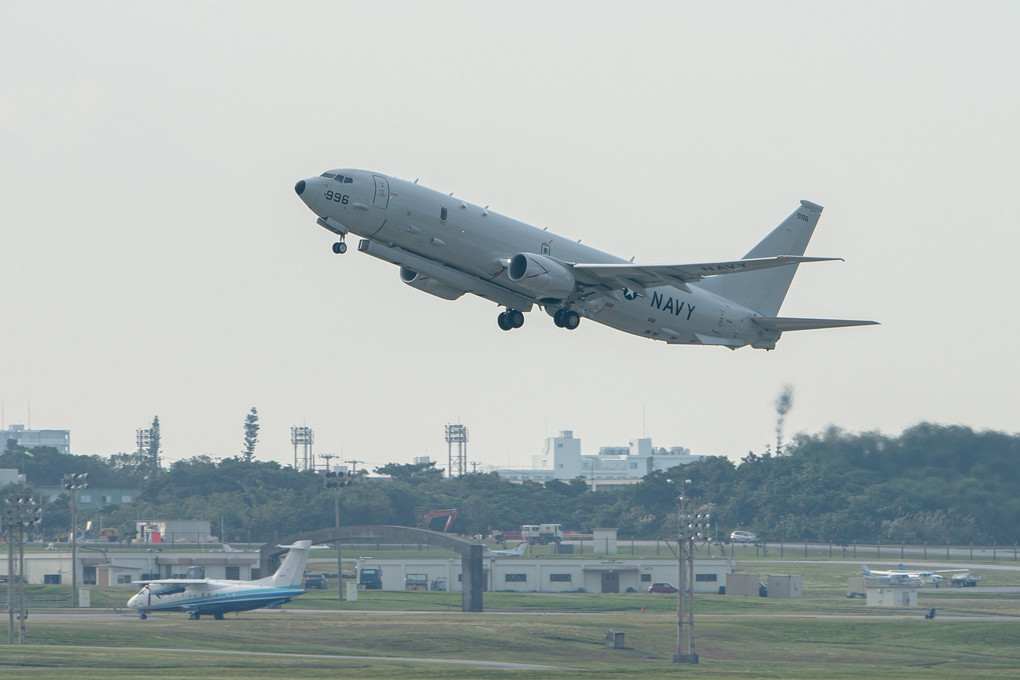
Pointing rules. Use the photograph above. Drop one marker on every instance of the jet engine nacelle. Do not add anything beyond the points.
(542, 276)
(429, 285)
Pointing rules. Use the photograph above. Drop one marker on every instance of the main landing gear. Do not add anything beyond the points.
(567, 318)
(340, 247)
(510, 319)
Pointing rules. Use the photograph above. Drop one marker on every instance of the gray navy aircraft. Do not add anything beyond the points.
(447, 247)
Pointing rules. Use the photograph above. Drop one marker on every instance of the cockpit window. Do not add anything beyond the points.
(339, 178)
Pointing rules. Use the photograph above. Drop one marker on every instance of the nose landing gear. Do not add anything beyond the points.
(510, 319)
(340, 247)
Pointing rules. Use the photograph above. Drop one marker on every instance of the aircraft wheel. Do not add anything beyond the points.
(143, 615)
(193, 616)
(218, 617)
(571, 320)
(339, 247)
(515, 317)
(504, 321)
(558, 318)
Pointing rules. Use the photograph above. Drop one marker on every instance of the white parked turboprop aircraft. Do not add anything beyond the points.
(211, 596)
(447, 247)
(904, 577)
(516, 552)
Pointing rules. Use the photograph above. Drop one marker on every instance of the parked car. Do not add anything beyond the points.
(662, 588)
(315, 582)
(743, 537)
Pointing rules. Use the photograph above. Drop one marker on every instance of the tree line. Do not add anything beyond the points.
(931, 484)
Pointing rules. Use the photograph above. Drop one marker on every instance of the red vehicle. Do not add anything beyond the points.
(662, 588)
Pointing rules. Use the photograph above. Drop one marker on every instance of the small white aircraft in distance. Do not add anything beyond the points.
(216, 597)
(516, 552)
(903, 577)
(447, 247)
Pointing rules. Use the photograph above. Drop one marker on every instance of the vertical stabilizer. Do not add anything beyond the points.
(292, 569)
(763, 291)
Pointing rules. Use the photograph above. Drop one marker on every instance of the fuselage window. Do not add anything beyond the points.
(348, 180)
(443, 214)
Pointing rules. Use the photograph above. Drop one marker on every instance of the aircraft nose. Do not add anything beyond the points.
(300, 187)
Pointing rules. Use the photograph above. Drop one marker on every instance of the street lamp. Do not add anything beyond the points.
(338, 481)
(74, 483)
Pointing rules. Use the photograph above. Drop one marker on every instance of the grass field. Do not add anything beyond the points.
(822, 635)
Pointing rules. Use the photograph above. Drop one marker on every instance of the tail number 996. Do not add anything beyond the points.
(337, 197)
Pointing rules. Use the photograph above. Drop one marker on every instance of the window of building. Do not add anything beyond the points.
(233, 573)
(706, 578)
(646, 578)
(561, 578)
(88, 576)
(84, 498)
(125, 499)
(124, 578)
(516, 578)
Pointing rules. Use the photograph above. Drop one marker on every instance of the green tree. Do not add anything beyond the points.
(251, 434)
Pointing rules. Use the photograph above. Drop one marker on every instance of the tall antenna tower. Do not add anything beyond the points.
(457, 434)
(303, 437)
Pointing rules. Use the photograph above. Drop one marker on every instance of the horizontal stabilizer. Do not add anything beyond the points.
(779, 323)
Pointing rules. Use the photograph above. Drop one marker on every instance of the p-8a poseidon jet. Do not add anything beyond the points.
(447, 247)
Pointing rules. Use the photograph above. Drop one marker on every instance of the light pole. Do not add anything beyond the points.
(74, 483)
(338, 481)
(20, 513)
(690, 526)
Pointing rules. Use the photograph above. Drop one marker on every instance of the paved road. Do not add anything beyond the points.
(502, 665)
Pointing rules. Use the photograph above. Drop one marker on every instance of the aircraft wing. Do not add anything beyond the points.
(642, 276)
(172, 586)
(779, 323)
(171, 581)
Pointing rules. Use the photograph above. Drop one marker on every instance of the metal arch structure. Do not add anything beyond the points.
(469, 551)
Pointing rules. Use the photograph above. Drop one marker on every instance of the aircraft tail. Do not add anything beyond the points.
(865, 571)
(763, 291)
(519, 550)
(292, 569)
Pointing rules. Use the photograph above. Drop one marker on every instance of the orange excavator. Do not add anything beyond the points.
(450, 515)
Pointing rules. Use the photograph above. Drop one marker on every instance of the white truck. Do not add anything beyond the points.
(542, 534)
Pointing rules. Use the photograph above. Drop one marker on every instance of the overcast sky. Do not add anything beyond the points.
(156, 260)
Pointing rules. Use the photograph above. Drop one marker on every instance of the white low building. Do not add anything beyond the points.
(101, 567)
(549, 575)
